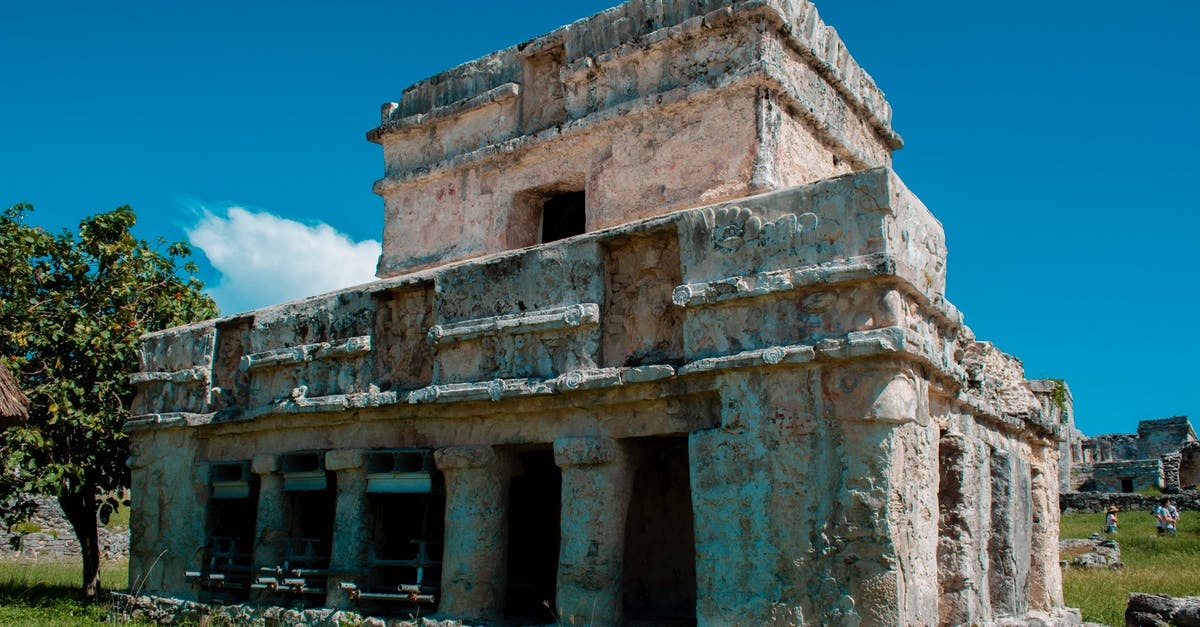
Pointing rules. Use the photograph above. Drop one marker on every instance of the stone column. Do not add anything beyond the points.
(1045, 577)
(270, 526)
(474, 557)
(143, 518)
(350, 523)
(962, 565)
(1009, 541)
(595, 500)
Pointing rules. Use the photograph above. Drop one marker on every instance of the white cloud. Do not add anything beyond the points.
(264, 259)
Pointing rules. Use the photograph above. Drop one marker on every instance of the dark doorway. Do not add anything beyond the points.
(534, 503)
(232, 515)
(563, 216)
(310, 536)
(1127, 485)
(660, 558)
(310, 498)
(406, 549)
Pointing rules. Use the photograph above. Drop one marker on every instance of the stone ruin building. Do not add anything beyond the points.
(658, 338)
(1163, 454)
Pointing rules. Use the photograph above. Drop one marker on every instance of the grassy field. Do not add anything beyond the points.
(47, 594)
(1166, 564)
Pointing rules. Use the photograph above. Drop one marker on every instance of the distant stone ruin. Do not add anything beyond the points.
(1163, 454)
(659, 338)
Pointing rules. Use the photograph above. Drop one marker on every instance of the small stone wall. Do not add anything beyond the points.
(56, 540)
(168, 611)
(1093, 502)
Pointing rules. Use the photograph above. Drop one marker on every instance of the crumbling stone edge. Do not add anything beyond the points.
(171, 611)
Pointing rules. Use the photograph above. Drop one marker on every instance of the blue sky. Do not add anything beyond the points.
(1055, 141)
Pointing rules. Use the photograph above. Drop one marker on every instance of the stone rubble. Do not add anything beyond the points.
(1092, 552)
(1160, 610)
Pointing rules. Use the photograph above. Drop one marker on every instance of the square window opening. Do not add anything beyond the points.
(563, 216)
(547, 214)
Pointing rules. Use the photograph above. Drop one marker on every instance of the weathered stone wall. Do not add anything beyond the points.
(1076, 502)
(1164, 436)
(621, 116)
(1059, 406)
(1119, 476)
(1187, 472)
(56, 539)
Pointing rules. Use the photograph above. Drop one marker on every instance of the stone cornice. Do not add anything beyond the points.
(195, 374)
(498, 95)
(882, 342)
(633, 26)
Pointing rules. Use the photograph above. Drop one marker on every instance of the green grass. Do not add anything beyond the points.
(1153, 563)
(46, 594)
(119, 518)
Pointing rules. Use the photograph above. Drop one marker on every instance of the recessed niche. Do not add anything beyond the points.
(546, 214)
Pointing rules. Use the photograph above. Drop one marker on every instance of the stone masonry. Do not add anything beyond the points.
(54, 539)
(1163, 454)
(658, 338)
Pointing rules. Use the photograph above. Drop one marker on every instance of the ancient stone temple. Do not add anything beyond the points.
(1164, 454)
(658, 338)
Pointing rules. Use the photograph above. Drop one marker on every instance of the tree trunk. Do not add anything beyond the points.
(80, 509)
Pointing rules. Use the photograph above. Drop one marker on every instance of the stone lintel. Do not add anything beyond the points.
(762, 284)
(584, 451)
(302, 353)
(528, 322)
(195, 374)
(777, 282)
(165, 420)
(462, 457)
(265, 464)
(345, 459)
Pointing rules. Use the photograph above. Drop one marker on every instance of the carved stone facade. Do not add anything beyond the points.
(735, 394)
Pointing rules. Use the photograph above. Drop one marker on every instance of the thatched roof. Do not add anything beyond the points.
(13, 402)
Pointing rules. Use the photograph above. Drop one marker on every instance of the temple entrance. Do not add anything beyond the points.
(407, 504)
(232, 515)
(534, 505)
(660, 563)
(1189, 467)
(310, 499)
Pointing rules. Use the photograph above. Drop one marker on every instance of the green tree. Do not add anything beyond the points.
(72, 307)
